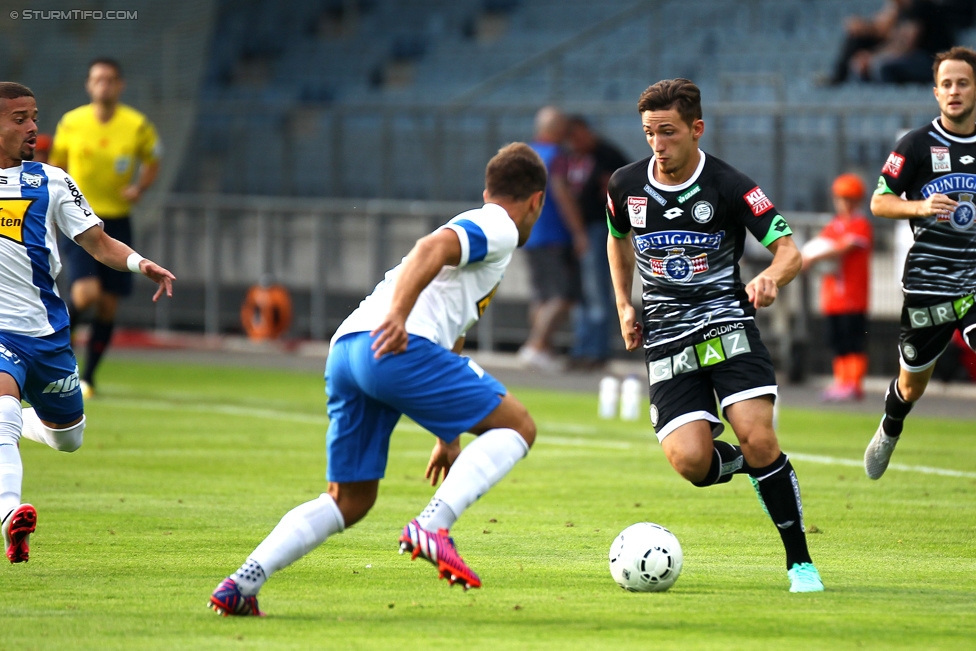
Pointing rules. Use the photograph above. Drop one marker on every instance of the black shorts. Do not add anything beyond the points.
(927, 324)
(81, 265)
(727, 361)
(554, 273)
(847, 333)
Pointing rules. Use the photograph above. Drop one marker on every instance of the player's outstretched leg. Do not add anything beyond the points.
(779, 492)
(882, 445)
(67, 439)
(480, 466)
(300, 531)
(18, 520)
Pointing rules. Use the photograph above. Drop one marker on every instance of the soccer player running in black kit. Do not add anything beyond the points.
(681, 217)
(934, 169)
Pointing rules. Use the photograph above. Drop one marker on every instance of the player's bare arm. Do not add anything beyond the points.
(420, 267)
(622, 262)
(891, 206)
(115, 254)
(764, 288)
(147, 176)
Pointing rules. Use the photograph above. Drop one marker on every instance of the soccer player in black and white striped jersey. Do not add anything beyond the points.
(930, 179)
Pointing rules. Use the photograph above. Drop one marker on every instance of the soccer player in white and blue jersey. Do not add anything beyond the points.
(399, 353)
(36, 360)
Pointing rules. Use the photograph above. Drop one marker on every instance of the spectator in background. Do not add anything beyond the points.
(557, 242)
(898, 44)
(846, 241)
(112, 151)
(587, 167)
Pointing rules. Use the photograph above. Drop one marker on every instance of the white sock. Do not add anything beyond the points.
(11, 468)
(68, 439)
(250, 577)
(437, 515)
(480, 466)
(302, 529)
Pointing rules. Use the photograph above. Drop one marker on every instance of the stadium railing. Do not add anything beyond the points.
(330, 253)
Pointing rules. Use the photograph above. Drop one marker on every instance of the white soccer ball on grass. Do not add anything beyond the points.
(645, 557)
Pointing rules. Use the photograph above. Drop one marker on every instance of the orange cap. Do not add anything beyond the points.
(848, 186)
(43, 142)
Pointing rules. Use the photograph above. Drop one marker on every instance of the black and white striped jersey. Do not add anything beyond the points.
(931, 160)
(688, 239)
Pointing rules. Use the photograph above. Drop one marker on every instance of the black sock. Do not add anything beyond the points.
(780, 492)
(101, 334)
(896, 408)
(727, 460)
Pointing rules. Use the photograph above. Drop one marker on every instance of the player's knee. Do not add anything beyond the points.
(353, 499)
(691, 464)
(759, 449)
(513, 415)
(69, 439)
(527, 429)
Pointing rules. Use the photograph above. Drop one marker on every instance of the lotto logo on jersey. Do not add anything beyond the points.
(12, 213)
(637, 208)
(610, 205)
(758, 201)
(940, 159)
(893, 165)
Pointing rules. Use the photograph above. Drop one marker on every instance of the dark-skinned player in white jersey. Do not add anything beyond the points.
(930, 178)
(680, 216)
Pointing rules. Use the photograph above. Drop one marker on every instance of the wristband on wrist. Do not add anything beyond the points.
(132, 262)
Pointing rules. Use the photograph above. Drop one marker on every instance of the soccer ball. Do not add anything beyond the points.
(645, 557)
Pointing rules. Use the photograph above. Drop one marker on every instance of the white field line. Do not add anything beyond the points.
(570, 428)
(925, 470)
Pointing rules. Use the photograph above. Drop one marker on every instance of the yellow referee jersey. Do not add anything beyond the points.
(102, 157)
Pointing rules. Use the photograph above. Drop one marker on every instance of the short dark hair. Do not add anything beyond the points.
(515, 172)
(13, 90)
(680, 94)
(106, 61)
(958, 53)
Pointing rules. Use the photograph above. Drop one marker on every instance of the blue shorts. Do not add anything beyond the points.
(46, 372)
(443, 392)
(79, 263)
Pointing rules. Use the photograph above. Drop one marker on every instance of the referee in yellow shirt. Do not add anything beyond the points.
(112, 151)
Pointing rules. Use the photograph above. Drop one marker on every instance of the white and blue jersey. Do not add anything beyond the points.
(35, 342)
(34, 199)
(458, 296)
(443, 392)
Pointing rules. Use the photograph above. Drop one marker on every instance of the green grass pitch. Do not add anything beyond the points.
(186, 468)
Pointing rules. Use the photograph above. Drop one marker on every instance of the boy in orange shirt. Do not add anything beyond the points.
(847, 241)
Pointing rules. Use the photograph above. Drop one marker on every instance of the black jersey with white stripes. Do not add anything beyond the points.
(927, 161)
(688, 239)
